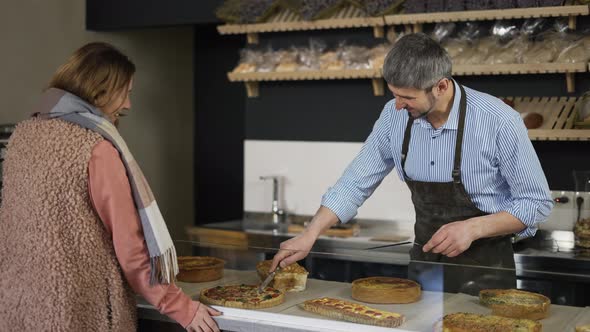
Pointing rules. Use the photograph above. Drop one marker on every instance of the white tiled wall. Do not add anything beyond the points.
(308, 169)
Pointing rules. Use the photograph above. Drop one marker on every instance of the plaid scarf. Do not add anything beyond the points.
(56, 103)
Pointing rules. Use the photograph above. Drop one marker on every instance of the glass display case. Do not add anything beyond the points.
(548, 264)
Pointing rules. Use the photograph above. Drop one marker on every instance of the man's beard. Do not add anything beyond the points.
(425, 113)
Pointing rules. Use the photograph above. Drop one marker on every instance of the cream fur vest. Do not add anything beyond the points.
(58, 269)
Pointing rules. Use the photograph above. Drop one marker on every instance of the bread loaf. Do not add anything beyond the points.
(532, 120)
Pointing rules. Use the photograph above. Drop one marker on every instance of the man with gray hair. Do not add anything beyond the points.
(474, 176)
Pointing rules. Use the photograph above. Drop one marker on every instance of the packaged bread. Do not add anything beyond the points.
(355, 57)
(583, 328)
(293, 278)
(515, 303)
(248, 61)
(287, 61)
(352, 312)
(539, 53)
(331, 61)
(454, 47)
(511, 52)
(468, 322)
(574, 53)
(471, 56)
(385, 290)
(199, 268)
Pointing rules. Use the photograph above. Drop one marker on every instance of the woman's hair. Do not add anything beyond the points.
(96, 72)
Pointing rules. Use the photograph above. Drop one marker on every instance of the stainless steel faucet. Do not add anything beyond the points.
(278, 214)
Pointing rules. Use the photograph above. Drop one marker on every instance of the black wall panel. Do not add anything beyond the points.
(126, 14)
(219, 128)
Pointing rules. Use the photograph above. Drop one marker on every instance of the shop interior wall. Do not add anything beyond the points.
(38, 36)
(321, 113)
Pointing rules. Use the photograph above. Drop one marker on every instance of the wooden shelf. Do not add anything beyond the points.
(305, 75)
(486, 15)
(559, 115)
(520, 68)
(252, 79)
(559, 134)
(351, 17)
(347, 17)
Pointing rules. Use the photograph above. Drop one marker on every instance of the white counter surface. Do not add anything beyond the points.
(420, 316)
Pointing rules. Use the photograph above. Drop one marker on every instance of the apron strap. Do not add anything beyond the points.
(406, 143)
(459, 144)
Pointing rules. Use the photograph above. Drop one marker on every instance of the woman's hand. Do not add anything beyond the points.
(202, 322)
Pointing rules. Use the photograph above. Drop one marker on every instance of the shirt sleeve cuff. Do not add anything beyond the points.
(527, 214)
(343, 209)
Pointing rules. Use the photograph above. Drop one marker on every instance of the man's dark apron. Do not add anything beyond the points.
(440, 203)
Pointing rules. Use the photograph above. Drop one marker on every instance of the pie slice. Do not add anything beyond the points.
(293, 278)
(352, 312)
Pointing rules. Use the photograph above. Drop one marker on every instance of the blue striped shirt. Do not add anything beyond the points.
(500, 169)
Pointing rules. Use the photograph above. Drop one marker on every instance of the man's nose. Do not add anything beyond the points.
(400, 104)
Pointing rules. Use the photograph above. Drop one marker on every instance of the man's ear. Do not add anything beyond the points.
(442, 86)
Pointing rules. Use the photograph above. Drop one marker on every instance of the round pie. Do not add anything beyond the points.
(385, 290)
(199, 268)
(515, 303)
(242, 296)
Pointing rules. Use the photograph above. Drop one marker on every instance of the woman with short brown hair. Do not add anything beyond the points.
(80, 226)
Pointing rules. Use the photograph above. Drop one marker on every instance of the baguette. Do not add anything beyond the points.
(352, 312)
(467, 322)
(515, 303)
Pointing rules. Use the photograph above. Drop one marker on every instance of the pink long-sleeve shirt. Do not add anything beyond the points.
(110, 194)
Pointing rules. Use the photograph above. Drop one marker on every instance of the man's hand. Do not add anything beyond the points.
(453, 238)
(202, 322)
(293, 250)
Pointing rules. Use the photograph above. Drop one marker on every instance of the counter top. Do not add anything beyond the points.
(420, 316)
(548, 253)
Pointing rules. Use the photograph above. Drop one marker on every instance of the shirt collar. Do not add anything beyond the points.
(453, 120)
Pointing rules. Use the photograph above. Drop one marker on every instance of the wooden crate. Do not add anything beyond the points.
(559, 115)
